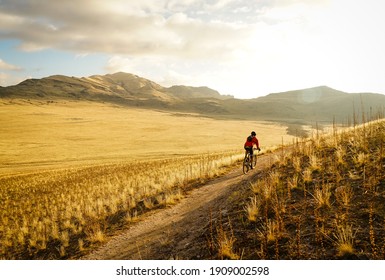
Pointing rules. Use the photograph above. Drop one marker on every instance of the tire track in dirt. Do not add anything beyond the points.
(169, 233)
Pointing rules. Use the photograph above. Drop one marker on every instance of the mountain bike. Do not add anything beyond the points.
(249, 162)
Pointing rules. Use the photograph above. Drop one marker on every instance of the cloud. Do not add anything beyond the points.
(6, 66)
(121, 27)
(3, 79)
(188, 29)
(8, 80)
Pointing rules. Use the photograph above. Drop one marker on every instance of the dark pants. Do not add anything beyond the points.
(250, 150)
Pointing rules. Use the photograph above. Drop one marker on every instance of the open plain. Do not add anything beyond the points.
(39, 135)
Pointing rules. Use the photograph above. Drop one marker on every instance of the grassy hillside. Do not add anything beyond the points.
(321, 199)
(323, 104)
(72, 172)
(57, 214)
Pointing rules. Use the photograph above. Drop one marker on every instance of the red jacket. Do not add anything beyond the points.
(251, 143)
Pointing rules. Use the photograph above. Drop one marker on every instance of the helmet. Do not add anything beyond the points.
(253, 133)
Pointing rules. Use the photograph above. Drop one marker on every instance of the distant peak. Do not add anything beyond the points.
(121, 74)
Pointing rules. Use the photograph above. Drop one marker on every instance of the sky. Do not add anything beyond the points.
(245, 48)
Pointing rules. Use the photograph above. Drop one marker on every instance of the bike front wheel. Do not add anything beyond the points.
(254, 160)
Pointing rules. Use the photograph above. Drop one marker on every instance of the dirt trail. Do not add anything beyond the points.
(169, 233)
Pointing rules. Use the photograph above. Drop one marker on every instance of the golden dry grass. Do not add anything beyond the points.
(70, 171)
(324, 200)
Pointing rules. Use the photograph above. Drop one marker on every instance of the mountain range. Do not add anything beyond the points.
(318, 104)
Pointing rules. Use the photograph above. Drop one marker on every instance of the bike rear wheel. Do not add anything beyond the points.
(246, 165)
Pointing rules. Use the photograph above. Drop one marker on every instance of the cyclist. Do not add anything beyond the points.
(249, 144)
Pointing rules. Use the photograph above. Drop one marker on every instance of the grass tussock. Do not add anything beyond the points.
(344, 239)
